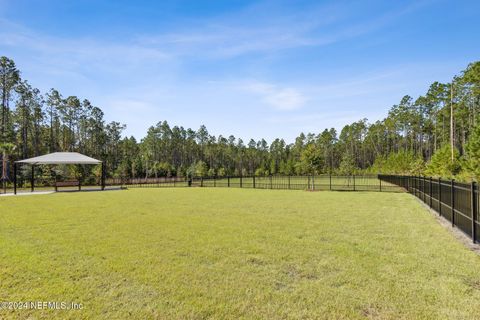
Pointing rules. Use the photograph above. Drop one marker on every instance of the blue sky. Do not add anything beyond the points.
(254, 69)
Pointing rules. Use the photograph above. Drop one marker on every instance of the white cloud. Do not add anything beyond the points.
(255, 29)
(259, 30)
(78, 56)
(281, 98)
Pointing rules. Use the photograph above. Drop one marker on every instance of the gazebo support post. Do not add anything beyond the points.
(14, 178)
(32, 178)
(103, 175)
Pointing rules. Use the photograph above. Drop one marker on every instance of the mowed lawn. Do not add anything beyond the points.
(205, 253)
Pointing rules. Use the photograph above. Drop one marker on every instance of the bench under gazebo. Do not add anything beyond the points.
(57, 158)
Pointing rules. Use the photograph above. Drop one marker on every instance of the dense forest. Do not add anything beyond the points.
(437, 134)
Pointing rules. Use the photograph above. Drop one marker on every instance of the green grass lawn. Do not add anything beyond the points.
(197, 253)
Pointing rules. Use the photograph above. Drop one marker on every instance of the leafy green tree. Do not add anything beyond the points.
(402, 162)
(54, 101)
(441, 164)
(9, 77)
(472, 157)
(347, 165)
(201, 169)
(6, 149)
(260, 172)
(311, 160)
(221, 172)
(211, 172)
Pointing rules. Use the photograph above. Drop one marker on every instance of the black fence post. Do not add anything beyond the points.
(425, 182)
(271, 185)
(422, 179)
(353, 182)
(253, 182)
(412, 184)
(452, 189)
(14, 178)
(289, 182)
(417, 186)
(241, 182)
(228, 181)
(330, 176)
(103, 168)
(214, 181)
(439, 196)
(431, 192)
(415, 183)
(420, 187)
(422, 193)
(424, 189)
(313, 182)
(201, 181)
(473, 208)
(380, 183)
(427, 190)
(32, 181)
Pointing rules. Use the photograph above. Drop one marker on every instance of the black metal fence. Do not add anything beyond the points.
(312, 182)
(278, 182)
(148, 182)
(457, 202)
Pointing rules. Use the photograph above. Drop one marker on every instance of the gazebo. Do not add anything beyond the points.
(57, 158)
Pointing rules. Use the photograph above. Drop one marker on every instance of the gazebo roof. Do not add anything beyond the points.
(61, 158)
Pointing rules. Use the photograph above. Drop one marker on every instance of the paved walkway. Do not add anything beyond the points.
(26, 193)
(86, 189)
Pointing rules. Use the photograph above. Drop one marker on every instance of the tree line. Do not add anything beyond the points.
(436, 134)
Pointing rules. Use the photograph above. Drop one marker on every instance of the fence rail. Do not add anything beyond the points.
(148, 182)
(312, 182)
(457, 202)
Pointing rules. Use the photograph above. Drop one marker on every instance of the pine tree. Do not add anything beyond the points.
(441, 164)
(472, 159)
